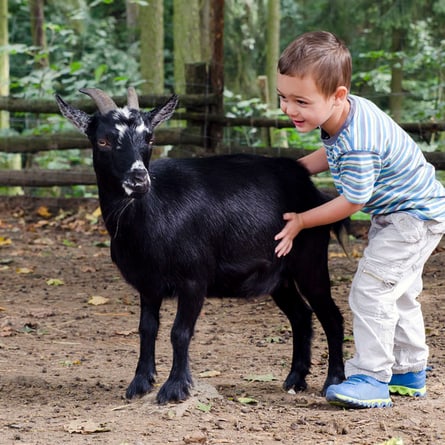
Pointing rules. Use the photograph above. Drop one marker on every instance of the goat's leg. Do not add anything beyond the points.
(299, 314)
(314, 284)
(331, 321)
(148, 329)
(177, 387)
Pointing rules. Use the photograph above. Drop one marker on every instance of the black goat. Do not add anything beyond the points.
(195, 227)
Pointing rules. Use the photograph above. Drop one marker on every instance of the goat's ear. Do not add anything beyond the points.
(163, 112)
(78, 118)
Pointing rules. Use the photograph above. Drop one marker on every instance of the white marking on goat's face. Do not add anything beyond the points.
(129, 185)
(122, 113)
(141, 127)
(123, 117)
(138, 165)
(121, 128)
(127, 189)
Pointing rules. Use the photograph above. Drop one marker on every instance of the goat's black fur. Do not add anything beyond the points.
(206, 227)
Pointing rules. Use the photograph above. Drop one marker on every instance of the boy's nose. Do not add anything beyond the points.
(290, 110)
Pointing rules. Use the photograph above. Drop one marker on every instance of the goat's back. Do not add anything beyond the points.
(214, 219)
(257, 185)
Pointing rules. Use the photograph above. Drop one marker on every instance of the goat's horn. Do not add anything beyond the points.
(132, 101)
(103, 101)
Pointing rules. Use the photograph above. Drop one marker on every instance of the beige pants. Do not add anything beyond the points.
(389, 332)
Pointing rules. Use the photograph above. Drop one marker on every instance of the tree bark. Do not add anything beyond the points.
(151, 23)
(216, 72)
(38, 33)
(14, 162)
(396, 95)
(272, 49)
(4, 61)
(272, 54)
(132, 11)
(186, 38)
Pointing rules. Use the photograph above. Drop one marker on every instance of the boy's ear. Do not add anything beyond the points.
(341, 93)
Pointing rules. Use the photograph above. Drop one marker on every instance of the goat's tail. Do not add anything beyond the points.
(341, 230)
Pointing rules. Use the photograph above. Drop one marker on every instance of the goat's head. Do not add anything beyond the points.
(122, 138)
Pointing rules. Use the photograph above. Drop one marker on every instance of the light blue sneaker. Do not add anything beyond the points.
(359, 391)
(411, 384)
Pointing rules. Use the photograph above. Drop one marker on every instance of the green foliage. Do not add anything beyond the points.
(370, 37)
(308, 141)
(422, 61)
(236, 106)
(85, 47)
(244, 45)
(60, 160)
(91, 45)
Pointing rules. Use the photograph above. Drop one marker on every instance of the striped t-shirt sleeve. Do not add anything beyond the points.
(359, 171)
(374, 162)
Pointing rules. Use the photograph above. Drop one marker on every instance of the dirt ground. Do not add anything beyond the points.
(67, 355)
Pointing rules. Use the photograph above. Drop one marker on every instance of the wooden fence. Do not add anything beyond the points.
(203, 122)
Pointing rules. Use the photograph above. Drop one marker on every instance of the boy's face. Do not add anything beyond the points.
(305, 105)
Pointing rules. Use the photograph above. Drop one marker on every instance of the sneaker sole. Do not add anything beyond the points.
(349, 402)
(407, 391)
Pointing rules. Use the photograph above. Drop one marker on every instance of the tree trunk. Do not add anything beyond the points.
(4, 41)
(4, 60)
(396, 96)
(14, 162)
(205, 9)
(38, 33)
(186, 38)
(278, 138)
(272, 49)
(151, 23)
(216, 72)
(132, 11)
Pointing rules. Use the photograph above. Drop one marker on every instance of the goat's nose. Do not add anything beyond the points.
(139, 176)
(137, 182)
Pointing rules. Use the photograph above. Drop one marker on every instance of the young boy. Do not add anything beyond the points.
(379, 169)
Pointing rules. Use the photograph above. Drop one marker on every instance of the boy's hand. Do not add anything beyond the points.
(292, 228)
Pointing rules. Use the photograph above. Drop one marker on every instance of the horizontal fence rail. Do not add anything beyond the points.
(48, 106)
(65, 141)
(413, 127)
(190, 137)
(47, 178)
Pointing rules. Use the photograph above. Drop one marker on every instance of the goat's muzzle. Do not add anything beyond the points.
(137, 183)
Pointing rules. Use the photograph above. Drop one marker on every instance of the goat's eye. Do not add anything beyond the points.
(103, 144)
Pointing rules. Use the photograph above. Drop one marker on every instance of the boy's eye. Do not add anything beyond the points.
(291, 99)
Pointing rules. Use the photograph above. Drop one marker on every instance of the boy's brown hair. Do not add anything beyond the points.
(322, 55)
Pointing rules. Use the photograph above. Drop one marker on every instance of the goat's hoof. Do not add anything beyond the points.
(139, 387)
(298, 384)
(332, 381)
(173, 392)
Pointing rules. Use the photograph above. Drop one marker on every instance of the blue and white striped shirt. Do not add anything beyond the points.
(373, 161)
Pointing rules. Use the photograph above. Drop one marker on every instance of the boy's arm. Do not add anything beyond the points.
(315, 162)
(328, 213)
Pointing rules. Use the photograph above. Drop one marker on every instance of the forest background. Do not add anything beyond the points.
(50, 46)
